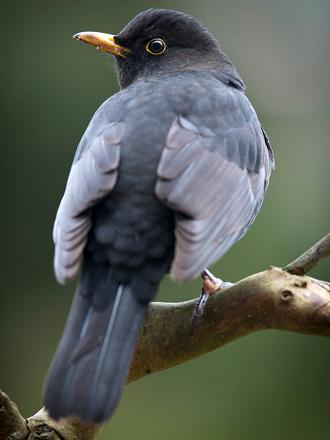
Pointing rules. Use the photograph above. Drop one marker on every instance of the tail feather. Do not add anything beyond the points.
(92, 361)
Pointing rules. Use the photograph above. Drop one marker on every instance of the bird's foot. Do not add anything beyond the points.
(210, 286)
(213, 284)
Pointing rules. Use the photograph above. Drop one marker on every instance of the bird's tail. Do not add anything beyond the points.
(92, 361)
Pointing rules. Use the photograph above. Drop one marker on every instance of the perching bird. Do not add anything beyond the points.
(170, 173)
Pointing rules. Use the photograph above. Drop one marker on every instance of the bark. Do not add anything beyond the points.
(283, 299)
(311, 257)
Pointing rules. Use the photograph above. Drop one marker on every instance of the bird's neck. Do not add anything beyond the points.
(218, 66)
(226, 73)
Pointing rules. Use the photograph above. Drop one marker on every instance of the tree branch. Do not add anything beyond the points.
(65, 429)
(276, 298)
(12, 424)
(309, 259)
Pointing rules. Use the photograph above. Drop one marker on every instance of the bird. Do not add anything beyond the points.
(169, 174)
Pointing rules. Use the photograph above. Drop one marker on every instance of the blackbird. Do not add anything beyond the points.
(169, 174)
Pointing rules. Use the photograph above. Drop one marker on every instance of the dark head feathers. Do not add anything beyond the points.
(174, 25)
(189, 46)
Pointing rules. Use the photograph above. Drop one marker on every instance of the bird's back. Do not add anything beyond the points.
(132, 230)
(169, 174)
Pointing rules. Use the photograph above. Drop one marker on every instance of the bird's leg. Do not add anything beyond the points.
(210, 285)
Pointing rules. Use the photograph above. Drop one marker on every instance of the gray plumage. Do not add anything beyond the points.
(78, 380)
(170, 173)
(91, 178)
(212, 164)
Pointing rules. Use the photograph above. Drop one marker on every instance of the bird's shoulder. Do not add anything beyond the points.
(192, 93)
(222, 114)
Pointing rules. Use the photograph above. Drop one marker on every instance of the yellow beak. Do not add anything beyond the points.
(104, 42)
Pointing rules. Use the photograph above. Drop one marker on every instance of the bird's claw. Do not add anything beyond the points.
(210, 285)
(213, 284)
(199, 308)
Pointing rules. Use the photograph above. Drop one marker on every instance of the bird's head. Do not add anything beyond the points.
(159, 41)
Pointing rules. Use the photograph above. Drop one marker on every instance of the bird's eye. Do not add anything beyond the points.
(156, 46)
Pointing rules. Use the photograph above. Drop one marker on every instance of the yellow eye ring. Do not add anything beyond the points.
(156, 46)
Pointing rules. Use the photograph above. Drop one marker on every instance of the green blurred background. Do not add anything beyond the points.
(270, 385)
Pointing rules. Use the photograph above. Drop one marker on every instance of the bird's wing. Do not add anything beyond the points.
(214, 175)
(92, 176)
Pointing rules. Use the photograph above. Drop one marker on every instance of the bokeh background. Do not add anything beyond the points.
(270, 385)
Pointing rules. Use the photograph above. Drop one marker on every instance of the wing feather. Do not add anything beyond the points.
(91, 177)
(215, 184)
